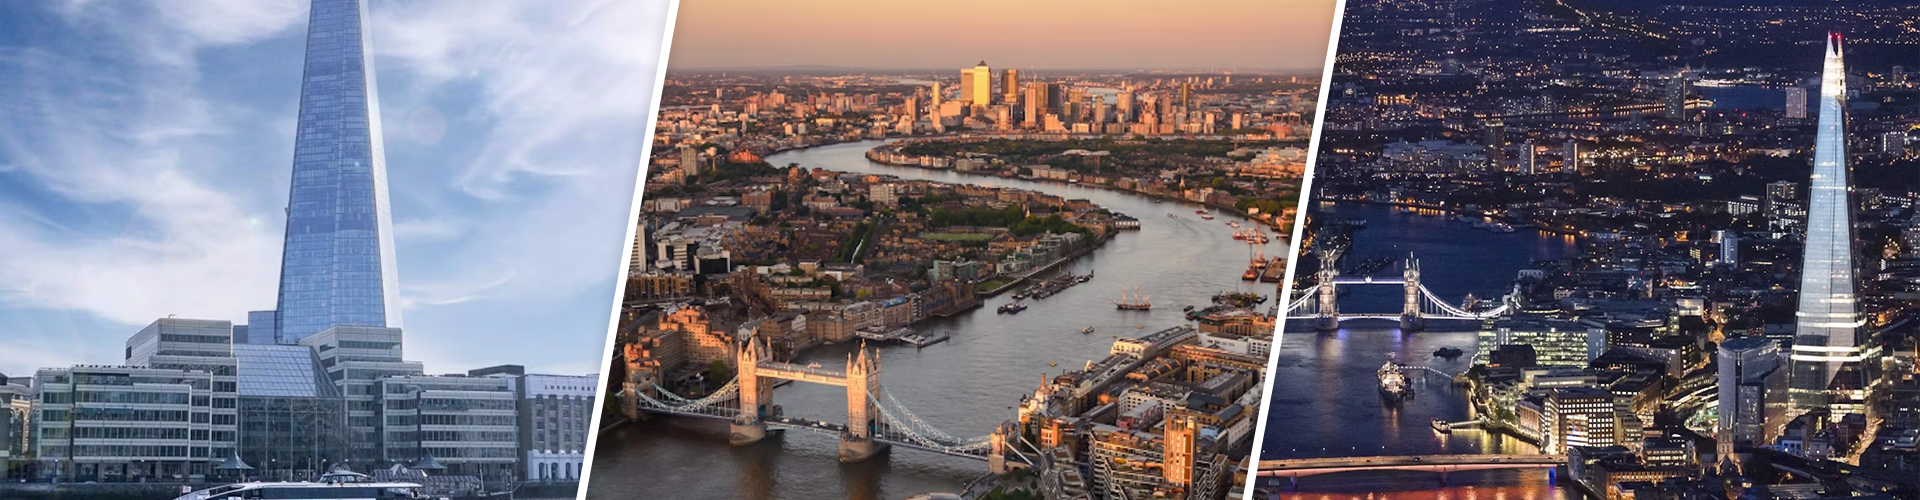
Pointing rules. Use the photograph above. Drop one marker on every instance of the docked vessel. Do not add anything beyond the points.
(1275, 268)
(1393, 382)
(1500, 228)
(925, 339)
(315, 490)
(1132, 301)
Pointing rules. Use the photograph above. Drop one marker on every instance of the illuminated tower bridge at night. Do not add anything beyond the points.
(1321, 303)
(874, 421)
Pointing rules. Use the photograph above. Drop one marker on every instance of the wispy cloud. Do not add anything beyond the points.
(130, 149)
(563, 89)
(149, 180)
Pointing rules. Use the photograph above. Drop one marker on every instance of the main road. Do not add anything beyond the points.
(964, 386)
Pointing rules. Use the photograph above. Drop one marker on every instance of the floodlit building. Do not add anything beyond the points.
(1828, 323)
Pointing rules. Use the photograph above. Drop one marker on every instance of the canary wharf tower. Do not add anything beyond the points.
(338, 265)
(1827, 324)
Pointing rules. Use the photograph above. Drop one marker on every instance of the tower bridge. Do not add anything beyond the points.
(1321, 303)
(874, 419)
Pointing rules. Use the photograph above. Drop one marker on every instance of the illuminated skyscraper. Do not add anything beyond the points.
(976, 85)
(338, 266)
(1827, 324)
(1676, 97)
(1796, 102)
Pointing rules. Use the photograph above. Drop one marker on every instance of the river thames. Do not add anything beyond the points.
(964, 386)
(1325, 401)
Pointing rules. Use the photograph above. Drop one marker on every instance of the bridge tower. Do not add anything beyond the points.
(997, 447)
(858, 443)
(1410, 319)
(1329, 297)
(756, 395)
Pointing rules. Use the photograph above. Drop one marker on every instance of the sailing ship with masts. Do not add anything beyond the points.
(1133, 301)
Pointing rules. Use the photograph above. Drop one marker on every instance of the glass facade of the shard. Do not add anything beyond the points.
(338, 266)
(1827, 323)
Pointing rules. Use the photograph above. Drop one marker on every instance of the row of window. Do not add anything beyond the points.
(453, 436)
(133, 450)
(165, 398)
(195, 339)
(467, 420)
(470, 452)
(63, 433)
(117, 415)
(124, 433)
(360, 344)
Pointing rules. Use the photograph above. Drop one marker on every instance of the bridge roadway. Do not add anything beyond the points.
(827, 428)
(809, 373)
(1302, 467)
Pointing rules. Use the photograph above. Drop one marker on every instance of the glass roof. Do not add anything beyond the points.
(281, 371)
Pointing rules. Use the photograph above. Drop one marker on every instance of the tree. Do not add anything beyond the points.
(718, 372)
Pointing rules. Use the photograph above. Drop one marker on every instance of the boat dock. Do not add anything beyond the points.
(877, 334)
(1276, 270)
(904, 335)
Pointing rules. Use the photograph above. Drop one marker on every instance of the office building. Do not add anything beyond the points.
(337, 268)
(356, 358)
(555, 412)
(1752, 382)
(1729, 247)
(470, 425)
(1178, 462)
(1676, 96)
(1587, 417)
(1827, 323)
(637, 255)
(128, 424)
(16, 413)
(259, 330)
(1570, 156)
(1797, 103)
(976, 85)
(1010, 87)
(1555, 342)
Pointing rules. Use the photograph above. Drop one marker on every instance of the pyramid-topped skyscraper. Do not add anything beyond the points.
(1827, 323)
(337, 268)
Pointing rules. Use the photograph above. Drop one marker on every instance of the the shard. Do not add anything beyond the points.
(338, 266)
(1827, 323)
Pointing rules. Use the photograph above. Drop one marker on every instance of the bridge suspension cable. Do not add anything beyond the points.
(910, 427)
(676, 403)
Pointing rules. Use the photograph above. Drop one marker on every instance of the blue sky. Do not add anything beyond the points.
(145, 149)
